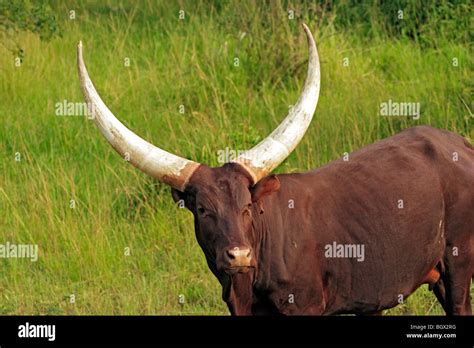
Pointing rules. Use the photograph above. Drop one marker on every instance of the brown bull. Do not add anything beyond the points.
(358, 235)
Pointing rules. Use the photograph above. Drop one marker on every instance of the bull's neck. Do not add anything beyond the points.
(268, 232)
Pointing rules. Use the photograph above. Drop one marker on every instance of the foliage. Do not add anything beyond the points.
(22, 15)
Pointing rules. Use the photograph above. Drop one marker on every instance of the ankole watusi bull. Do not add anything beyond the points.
(355, 236)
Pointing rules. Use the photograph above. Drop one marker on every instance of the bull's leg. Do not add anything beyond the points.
(459, 259)
(440, 293)
(458, 282)
(467, 303)
(459, 298)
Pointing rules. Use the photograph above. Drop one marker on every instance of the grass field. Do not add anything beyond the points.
(122, 246)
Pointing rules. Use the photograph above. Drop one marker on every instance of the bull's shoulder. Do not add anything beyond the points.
(420, 147)
(428, 134)
(436, 144)
(415, 143)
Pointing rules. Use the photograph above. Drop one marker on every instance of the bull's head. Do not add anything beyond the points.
(227, 200)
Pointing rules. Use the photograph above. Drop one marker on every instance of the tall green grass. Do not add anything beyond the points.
(186, 62)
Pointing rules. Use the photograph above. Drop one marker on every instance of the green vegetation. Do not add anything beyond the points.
(424, 58)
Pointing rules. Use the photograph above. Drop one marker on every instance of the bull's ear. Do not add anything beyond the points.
(265, 187)
(183, 199)
(178, 196)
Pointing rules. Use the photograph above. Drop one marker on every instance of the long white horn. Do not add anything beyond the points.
(164, 166)
(271, 151)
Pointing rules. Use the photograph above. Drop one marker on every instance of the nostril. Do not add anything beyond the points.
(239, 259)
(239, 254)
(230, 254)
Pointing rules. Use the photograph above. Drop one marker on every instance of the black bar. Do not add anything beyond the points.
(240, 330)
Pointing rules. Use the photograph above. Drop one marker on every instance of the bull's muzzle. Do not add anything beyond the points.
(238, 259)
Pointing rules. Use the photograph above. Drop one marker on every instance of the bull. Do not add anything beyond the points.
(355, 236)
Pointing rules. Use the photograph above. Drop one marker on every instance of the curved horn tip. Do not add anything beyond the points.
(306, 29)
(309, 35)
(272, 151)
(79, 50)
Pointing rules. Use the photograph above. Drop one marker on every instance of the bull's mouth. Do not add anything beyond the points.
(238, 269)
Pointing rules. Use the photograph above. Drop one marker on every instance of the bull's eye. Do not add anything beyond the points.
(206, 213)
